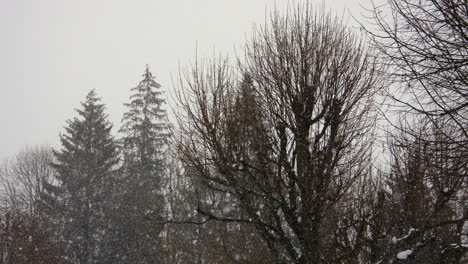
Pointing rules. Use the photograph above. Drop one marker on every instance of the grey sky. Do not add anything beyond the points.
(52, 52)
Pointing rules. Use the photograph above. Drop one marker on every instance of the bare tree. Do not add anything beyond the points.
(188, 238)
(420, 213)
(289, 138)
(425, 45)
(23, 177)
(22, 240)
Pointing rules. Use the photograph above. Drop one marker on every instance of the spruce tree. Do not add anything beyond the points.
(85, 172)
(145, 128)
(144, 145)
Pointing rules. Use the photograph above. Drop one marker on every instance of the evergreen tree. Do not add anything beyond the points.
(144, 144)
(145, 128)
(85, 172)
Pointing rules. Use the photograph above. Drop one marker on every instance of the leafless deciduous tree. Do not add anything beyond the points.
(287, 138)
(421, 205)
(425, 43)
(23, 177)
(23, 241)
(188, 238)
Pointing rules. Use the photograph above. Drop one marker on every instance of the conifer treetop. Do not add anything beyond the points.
(145, 125)
(87, 139)
(145, 107)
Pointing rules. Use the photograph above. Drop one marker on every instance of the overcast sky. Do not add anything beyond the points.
(52, 52)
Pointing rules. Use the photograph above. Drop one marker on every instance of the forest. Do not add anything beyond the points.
(318, 144)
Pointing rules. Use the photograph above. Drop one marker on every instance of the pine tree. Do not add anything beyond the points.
(144, 144)
(85, 172)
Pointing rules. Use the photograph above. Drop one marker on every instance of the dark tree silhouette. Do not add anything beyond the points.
(80, 203)
(290, 139)
(23, 241)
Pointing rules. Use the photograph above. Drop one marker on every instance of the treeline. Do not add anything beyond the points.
(273, 159)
